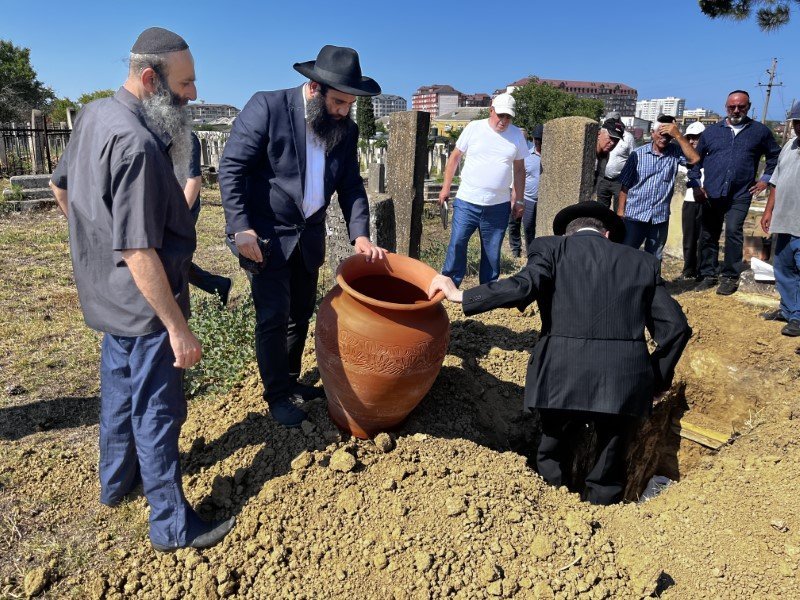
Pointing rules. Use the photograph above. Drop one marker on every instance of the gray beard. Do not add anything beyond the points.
(329, 130)
(164, 114)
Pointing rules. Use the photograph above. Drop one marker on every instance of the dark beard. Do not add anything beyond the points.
(330, 131)
(164, 113)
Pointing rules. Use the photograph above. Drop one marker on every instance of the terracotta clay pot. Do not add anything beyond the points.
(380, 342)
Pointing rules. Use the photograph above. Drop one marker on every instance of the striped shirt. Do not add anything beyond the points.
(650, 180)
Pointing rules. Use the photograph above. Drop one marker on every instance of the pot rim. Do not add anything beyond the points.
(390, 258)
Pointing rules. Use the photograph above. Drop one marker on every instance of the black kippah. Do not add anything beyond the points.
(156, 40)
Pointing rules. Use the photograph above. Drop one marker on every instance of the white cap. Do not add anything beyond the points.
(695, 128)
(504, 104)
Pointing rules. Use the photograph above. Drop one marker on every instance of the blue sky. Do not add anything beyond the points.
(241, 47)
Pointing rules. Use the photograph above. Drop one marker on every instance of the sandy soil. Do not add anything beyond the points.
(448, 505)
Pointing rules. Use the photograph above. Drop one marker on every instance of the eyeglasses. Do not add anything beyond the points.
(733, 107)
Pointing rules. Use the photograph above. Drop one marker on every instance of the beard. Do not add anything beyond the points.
(735, 120)
(329, 130)
(164, 112)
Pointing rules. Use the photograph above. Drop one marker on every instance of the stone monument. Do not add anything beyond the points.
(569, 152)
(405, 174)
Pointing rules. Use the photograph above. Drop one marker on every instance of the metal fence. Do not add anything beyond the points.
(27, 150)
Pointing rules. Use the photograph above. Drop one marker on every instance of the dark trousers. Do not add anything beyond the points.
(608, 192)
(284, 300)
(605, 482)
(732, 213)
(142, 408)
(526, 223)
(208, 282)
(692, 224)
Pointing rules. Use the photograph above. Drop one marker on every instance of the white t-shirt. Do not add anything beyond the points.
(488, 172)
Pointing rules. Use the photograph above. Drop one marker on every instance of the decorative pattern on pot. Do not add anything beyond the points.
(380, 342)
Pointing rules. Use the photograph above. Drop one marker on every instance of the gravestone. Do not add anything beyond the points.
(569, 152)
(377, 178)
(37, 141)
(405, 173)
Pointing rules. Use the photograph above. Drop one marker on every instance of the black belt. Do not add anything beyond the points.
(610, 178)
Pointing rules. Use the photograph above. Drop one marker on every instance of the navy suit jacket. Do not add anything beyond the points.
(262, 176)
(596, 298)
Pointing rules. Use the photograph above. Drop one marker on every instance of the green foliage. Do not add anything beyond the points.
(538, 103)
(228, 345)
(58, 109)
(365, 118)
(84, 99)
(20, 90)
(772, 15)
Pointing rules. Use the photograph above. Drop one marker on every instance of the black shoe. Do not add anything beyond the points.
(306, 393)
(286, 413)
(728, 287)
(773, 315)
(792, 328)
(706, 283)
(516, 253)
(217, 530)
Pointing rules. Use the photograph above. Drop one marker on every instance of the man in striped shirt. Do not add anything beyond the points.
(648, 180)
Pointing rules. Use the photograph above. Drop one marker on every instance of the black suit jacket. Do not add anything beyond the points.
(262, 176)
(596, 298)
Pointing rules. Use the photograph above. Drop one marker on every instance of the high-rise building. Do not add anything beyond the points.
(382, 105)
(649, 110)
(436, 99)
(615, 96)
(698, 112)
(203, 113)
(479, 99)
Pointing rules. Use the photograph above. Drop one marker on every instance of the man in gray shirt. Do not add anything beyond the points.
(608, 184)
(131, 241)
(782, 218)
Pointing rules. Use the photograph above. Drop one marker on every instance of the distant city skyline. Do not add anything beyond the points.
(244, 47)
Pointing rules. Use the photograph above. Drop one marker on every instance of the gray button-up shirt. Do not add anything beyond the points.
(786, 179)
(123, 195)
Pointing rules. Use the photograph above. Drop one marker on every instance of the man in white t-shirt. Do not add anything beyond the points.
(496, 152)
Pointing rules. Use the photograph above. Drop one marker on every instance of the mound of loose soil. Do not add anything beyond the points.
(448, 506)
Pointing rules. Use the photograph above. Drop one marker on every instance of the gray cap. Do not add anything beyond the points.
(156, 40)
(614, 115)
(794, 113)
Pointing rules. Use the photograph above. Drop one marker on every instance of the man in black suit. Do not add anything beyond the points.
(288, 152)
(591, 363)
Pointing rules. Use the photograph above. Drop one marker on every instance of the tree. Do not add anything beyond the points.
(20, 90)
(84, 99)
(365, 117)
(58, 109)
(772, 15)
(539, 102)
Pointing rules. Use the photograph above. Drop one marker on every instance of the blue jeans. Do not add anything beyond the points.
(787, 274)
(491, 221)
(142, 408)
(654, 236)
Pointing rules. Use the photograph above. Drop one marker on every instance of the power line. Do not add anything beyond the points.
(771, 72)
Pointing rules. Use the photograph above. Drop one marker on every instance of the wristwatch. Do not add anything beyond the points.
(519, 203)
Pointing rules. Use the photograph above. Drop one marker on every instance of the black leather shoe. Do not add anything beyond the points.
(773, 315)
(225, 290)
(727, 287)
(305, 393)
(217, 530)
(706, 283)
(792, 328)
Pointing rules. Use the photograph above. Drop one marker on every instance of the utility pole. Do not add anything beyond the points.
(771, 72)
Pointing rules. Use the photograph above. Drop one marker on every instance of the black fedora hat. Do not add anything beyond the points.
(595, 210)
(339, 68)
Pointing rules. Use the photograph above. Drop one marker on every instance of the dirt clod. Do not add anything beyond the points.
(342, 461)
(36, 581)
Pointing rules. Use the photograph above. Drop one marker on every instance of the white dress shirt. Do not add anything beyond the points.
(314, 188)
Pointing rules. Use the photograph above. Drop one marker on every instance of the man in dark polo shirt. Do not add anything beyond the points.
(131, 241)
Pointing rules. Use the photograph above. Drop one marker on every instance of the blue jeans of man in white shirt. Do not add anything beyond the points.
(787, 274)
(491, 222)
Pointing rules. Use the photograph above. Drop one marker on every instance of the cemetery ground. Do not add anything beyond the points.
(447, 506)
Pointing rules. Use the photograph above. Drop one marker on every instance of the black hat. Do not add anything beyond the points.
(538, 132)
(156, 40)
(594, 210)
(615, 128)
(339, 68)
